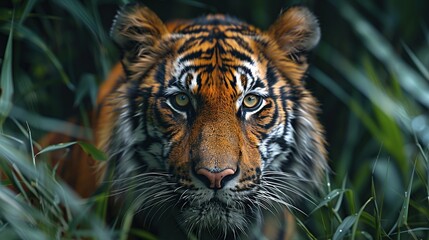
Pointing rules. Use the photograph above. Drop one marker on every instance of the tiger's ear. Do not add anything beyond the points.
(296, 30)
(137, 31)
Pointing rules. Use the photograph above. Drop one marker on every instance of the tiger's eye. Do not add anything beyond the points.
(181, 100)
(251, 101)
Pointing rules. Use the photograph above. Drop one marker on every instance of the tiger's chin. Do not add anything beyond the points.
(215, 219)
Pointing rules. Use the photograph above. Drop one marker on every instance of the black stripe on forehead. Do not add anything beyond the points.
(208, 55)
(220, 42)
(241, 56)
(198, 34)
(245, 45)
(188, 44)
(193, 55)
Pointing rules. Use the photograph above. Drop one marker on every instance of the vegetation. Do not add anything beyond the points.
(369, 73)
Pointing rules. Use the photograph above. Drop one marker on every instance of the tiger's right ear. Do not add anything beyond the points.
(138, 31)
(296, 30)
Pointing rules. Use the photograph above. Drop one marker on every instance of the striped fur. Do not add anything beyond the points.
(178, 103)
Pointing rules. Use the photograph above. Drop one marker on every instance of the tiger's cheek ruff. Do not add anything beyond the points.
(207, 159)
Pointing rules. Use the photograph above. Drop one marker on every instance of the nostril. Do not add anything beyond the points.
(215, 180)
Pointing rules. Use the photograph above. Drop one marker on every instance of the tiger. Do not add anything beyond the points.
(208, 126)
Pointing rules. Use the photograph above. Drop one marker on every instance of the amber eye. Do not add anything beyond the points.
(252, 101)
(180, 100)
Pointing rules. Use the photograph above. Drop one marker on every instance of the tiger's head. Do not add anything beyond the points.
(212, 122)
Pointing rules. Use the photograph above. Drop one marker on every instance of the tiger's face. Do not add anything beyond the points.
(212, 123)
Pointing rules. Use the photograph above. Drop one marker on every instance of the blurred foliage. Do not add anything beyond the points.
(370, 74)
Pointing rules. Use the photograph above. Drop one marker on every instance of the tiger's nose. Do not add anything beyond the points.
(216, 180)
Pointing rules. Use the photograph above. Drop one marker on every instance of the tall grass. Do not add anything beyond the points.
(45, 208)
(382, 170)
(369, 72)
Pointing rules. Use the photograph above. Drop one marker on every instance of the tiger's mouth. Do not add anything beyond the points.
(207, 198)
(217, 215)
(215, 204)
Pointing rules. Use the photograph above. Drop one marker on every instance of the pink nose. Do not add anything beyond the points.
(215, 178)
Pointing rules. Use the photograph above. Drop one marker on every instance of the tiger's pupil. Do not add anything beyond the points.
(182, 100)
(251, 101)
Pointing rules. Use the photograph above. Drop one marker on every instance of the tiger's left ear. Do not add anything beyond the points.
(296, 30)
(138, 32)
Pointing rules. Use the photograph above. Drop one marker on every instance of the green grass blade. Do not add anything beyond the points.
(358, 215)
(80, 13)
(50, 124)
(87, 147)
(305, 229)
(55, 147)
(6, 81)
(340, 199)
(382, 49)
(329, 198)
(87, 87)
(413, 230)
(27, 10)
(366, 119)
(360, 81)
(21, 218)
(30, 139)
(93, 151)
(49, 195)
(403, 216)
(344, 227)
(420, 66)
(425, 161)
(126, 225)
(366, 235)
(141, 234)
(377, 210)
